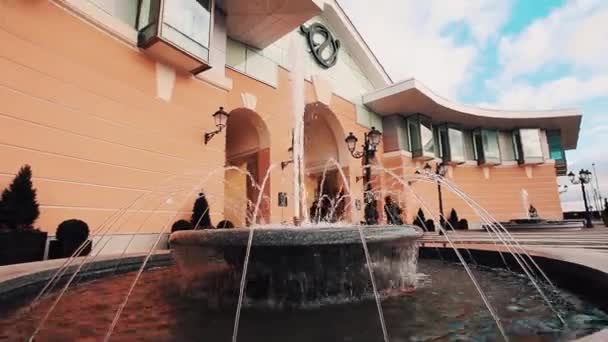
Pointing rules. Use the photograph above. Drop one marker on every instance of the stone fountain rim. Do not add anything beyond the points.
(292, 236)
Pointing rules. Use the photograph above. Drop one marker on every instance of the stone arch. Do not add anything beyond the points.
(248, 149)
(324, 139)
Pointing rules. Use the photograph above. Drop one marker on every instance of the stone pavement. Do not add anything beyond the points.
(591, 239)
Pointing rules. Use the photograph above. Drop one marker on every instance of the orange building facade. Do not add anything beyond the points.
(114, 133)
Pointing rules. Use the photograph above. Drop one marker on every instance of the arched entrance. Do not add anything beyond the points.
(247, 150)
(326, 196)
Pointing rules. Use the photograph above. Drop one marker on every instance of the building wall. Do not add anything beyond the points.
(82, 108)
(346, 77)
(497, 189)
(113, 135)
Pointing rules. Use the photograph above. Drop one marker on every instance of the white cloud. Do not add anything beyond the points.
(565, 91)
(575, 34)
(409, 38)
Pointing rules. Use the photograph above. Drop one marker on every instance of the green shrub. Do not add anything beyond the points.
(181, 225)
(19, 207)
(225, 224)
(200, 213)
(453, 220)
(420, 220)
(73, 230)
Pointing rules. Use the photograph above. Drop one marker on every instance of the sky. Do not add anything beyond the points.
(506, 54)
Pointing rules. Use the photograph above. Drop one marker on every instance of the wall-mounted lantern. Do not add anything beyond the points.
(221, 119)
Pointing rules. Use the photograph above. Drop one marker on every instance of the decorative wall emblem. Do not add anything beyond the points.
(323, 46)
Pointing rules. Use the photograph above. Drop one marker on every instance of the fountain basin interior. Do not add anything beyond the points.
(296, 267)
(443, 307)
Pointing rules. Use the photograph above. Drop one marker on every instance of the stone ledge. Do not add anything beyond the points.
(34, 274)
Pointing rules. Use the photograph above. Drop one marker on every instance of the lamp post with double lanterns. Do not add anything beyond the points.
(370, 144)
(440, 169)
(583, 177)
(221, 119)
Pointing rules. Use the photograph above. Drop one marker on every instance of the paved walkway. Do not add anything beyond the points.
(593, 239)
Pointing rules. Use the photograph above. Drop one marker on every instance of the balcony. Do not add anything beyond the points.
(261, 23)
(176, 33)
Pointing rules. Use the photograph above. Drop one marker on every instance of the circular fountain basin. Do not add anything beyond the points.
(296, 267)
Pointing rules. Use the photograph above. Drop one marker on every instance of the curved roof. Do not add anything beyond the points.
(411, 96)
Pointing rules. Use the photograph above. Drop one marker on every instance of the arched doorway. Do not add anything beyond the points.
(327, 198)
(247, 151)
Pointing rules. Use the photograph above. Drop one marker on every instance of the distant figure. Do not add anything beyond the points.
(225, 224)
(393, 212)
(532, 213)
(371, 211)
(200, 213)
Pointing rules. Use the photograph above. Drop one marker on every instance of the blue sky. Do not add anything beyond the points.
(508, 54)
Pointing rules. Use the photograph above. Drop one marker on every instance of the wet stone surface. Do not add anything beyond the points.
(444, 307)
(297, 268)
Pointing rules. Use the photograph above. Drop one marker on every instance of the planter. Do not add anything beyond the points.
(21, 246)
(58, 250)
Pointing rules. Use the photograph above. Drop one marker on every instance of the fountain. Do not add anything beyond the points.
(296, 267)
(324, 281)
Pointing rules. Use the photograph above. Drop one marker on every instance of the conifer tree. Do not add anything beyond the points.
(19, 208)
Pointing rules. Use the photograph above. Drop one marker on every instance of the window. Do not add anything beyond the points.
(421, 137)
(556, 151)
(486, 147)
(182, 25)
(251, 62)
(187, 23)
(528, 146)
(451, 144)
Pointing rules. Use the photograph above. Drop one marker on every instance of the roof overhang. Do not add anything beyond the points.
(260, 23)
(411, 96)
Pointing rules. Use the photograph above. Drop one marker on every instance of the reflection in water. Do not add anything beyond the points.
(444, 307)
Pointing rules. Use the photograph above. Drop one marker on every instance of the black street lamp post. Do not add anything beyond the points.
(371, 142)
(440, 170)
(584, 177)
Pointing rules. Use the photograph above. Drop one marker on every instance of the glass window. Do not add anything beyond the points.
(187, 23)
(486, 146)
(414, 134)
(554, 139)
(426, 136)
(456, 144)
(530, 143)
(490, 144)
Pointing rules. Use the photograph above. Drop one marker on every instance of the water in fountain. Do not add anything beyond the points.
(371, 273)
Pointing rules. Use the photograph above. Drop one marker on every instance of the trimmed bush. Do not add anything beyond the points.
(19, 205)
(463, 224)
(181, 225)
(430, 225)
(420, 220)
(453, 220)
(71, 234)
(225, 224)
(200, 213)
(72, 230)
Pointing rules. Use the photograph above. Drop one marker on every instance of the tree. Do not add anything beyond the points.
(420, 220)
(19, 207)
(453, 220)
(200, 213)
